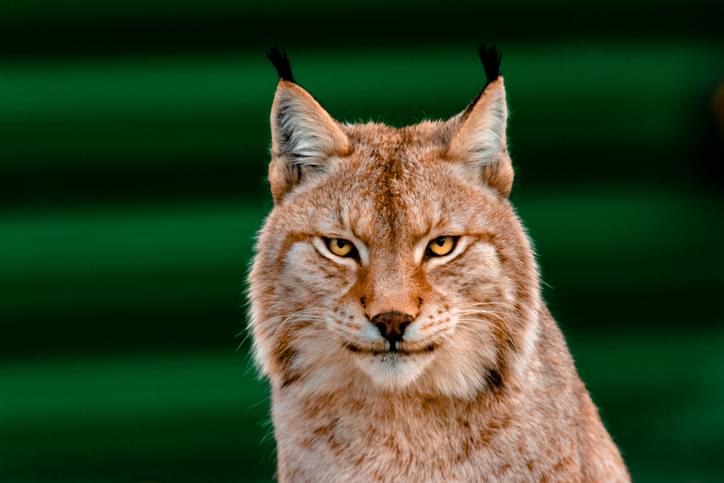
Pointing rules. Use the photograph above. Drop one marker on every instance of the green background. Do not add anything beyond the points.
(133, 148)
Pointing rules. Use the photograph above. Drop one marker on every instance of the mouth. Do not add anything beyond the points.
(392, 364)
(392, 348)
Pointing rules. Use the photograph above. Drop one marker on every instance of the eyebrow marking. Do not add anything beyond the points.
(289, 240)
(485, 236)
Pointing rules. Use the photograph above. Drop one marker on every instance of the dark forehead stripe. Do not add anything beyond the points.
(395, 178)
(387, 197)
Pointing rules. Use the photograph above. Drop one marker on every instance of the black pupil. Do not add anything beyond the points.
(341, 243)
(440, 241)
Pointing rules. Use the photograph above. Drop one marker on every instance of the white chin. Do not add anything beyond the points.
(393, 371)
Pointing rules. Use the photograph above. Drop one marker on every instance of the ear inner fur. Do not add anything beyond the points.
(304, 137)
(480, 144)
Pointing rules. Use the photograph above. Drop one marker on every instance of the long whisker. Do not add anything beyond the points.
(484, 314)
(499, 305)
(481, 309)
(486, 304)
(475, 312)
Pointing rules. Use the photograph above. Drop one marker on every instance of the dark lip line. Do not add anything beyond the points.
(425, 350)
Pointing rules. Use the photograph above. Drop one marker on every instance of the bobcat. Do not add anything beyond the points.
(396, 306)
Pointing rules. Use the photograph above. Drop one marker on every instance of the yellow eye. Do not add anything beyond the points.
(441, 246)
(340, 247)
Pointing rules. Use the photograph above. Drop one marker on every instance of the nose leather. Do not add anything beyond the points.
(392, 325)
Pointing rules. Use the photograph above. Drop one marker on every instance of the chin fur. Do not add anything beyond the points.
(392, 370)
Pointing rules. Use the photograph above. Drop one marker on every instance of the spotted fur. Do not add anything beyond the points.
(482, 386)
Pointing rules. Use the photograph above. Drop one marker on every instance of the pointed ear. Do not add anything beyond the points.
(304, 137)
(479, 141)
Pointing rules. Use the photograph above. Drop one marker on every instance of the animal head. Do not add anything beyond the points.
(392, 259)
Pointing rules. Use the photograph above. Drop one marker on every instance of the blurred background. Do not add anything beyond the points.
(133, 149)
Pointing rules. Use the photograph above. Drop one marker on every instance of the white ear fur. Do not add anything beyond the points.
(480, 140)
(304, 136)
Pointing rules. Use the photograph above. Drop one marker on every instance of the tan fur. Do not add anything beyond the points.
(484, 388)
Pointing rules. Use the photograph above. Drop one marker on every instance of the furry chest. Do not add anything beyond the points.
(341, 444)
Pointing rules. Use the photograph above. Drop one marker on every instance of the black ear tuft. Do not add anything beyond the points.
(490, 58)
(281, 62)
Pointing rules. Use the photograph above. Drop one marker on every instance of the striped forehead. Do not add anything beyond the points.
(385, 191)
(389, 200)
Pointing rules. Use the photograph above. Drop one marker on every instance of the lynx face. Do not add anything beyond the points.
(392, 257)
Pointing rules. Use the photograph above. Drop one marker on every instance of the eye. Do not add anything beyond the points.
(441, 246)
(341, 247)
